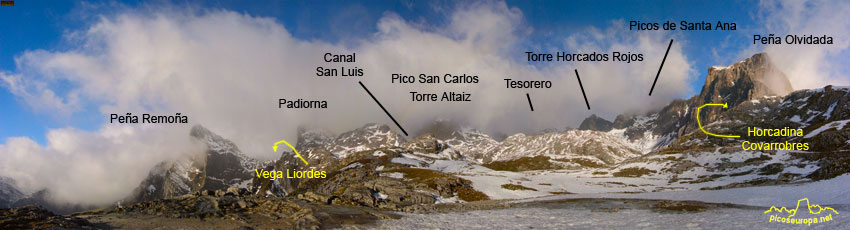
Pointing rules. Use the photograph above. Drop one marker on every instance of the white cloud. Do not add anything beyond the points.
(81, 167)
(620, 86)
(226, 70)
(809, 66)
(39, 96)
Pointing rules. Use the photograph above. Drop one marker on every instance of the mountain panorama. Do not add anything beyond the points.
(373, 169)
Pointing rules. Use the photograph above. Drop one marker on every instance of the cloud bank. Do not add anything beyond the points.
(91, 168)
(809, 66)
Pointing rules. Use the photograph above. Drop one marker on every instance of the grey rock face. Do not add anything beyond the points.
(753, 78)
(223, 165)
(226, 166)
(749, 79)
(310, 137)
(596, 123)
(9, 193)
(370, 136)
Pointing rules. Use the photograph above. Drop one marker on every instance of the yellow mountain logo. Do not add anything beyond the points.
(814, 209)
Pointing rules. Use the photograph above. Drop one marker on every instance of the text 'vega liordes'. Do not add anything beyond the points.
(275, 174)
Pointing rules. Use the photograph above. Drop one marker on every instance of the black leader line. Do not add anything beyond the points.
(382, 107)
(582, 90)
(659, 68)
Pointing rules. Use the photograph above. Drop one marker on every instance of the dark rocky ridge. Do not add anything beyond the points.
(221, 166)
(35, 217)
(825, 110)
(312, 137)
(9, 193)
(42, 199)
(440, 129)
(225, 164)
(596, 123)
(11, 196)
(753, 78)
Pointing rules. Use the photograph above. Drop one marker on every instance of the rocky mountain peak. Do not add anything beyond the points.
(596, 123)
(9, 192)
(370, 136)
(752, 78)
(425, 143)
(312, 137)
(200, 132)
(215, 143)
(441, 129)
(222, 165)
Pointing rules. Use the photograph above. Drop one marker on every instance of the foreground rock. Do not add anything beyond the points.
(235, 208)
(34, 217)
(386, 178)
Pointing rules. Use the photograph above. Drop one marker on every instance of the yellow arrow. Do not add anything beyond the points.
(706, 132)
(290, 146)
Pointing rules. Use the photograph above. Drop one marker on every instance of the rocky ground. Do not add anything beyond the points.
(236, 209)
(226, 209)
(34, 217)
(231, 209)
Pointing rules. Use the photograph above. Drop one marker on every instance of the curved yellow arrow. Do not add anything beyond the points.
(706, 132)
(290, 146)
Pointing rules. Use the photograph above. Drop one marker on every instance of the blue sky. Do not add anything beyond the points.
(34, 25)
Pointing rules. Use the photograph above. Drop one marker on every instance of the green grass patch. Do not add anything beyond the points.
(633, 172)
(771, 169)
(761, 158)
(516, 187)
(523, 164)
(469, 194)
(429, 177)
(581, 161)
(741, 173)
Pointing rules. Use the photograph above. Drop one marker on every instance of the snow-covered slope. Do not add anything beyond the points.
(601, 147)
(472, 144)
(665, 150)
(370, 136)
